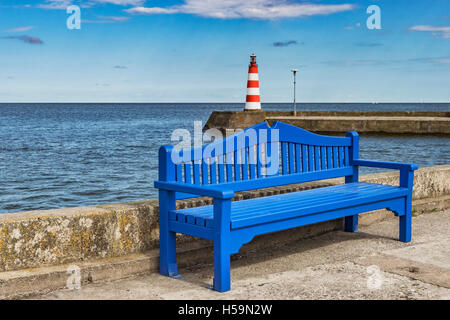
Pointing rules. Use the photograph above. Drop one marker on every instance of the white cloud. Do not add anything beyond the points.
(439, 32)
(63, 4)
(55, 4)
(254, 9)
(20, 29)
(154, 10)
(122, 2)
(108, 19)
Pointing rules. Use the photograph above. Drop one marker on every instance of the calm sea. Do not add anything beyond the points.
(66, 155)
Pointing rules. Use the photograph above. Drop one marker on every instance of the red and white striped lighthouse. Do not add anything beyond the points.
(253, 101)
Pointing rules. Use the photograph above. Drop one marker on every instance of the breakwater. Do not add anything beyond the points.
(382, 122)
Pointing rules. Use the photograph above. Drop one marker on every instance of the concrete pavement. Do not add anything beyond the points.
(337, 265)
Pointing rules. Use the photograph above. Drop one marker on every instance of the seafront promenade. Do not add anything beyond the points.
(40, 250)
(336, 265)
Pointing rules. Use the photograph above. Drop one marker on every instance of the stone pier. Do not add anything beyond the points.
(433, 123)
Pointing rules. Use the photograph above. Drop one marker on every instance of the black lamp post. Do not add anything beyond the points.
(294, 71)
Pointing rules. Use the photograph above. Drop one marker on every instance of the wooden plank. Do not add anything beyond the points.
(244, 155)
(275, 147)
(213, 170)
(304, 158)
(221, 167)
(317, 158)
(267, 182)
(310, 158)
(192, 230)
(229, 166)
(346, 157)
(335, 157)
(291, 158)
(200, 221)
(284, 156)
(309, 219)
(301, 199)
(341, 156)
(237, 165)
(179, 172)
(329, 158)
(290, 133)
(298, 158)
(187, 173)
(323, 158)
(205, 174)
(258, 160)
(196, 166)
(315, 208)
(296, 200)
(252, 161)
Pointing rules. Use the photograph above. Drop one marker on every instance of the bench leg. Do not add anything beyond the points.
(167, 239)
(221, 281)
(351, 223)
(405, 223)
(167, 254)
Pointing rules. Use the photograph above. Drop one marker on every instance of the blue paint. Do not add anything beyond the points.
(232, 224)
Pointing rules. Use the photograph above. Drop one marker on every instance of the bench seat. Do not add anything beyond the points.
(251, 212)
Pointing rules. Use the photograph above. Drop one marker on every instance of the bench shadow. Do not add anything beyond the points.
(268, 247)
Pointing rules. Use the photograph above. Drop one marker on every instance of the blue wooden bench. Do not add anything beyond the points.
(279, 155)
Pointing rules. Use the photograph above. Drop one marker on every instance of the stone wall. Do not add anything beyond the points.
(34, 239)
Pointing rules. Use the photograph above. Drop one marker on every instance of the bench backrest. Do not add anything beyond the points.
(261, 157)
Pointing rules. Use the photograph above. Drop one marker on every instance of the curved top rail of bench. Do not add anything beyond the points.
(261, 133)
(294, 134)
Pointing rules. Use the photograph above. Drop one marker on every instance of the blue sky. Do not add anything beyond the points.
(198, 51)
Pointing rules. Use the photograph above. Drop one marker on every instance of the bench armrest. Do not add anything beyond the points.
(211, 191)
(385, 164)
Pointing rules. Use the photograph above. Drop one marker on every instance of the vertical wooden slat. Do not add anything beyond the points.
(196, 165)
(244, 164)
(205, 177)
(291, 158)
(341, 157)
(258, 159)
(298, 161)
(229, 159)
(251, 161)
(346, 157)
(323, 157)
(275, 158)
(213, 169)
(329, 158)
(221, 166)
(179, 172)
(316, 158)
(268, 155)
(187, 173)
(237, 165)
(284, 158)
(335, 157)
(310, 158)
(304, 158)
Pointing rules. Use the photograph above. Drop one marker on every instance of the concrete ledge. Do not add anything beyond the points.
(54, 237)
(37, 246)
(22, 283)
